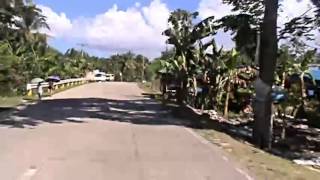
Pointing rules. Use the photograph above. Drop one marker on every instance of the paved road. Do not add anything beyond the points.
(105, 131)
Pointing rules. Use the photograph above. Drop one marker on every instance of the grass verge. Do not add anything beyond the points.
(146, 87)
(260, 163)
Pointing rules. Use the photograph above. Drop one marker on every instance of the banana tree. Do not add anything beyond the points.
(179, 34)
(285, 66)
(302, 69)
(169, 69)
(210, 63)
(230, 67)
(183, 35)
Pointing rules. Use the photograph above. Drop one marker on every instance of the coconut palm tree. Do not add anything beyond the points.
(31, 19)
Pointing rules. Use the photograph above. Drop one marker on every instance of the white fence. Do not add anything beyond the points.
(63, 83)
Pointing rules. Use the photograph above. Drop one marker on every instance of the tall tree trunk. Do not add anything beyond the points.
(301, 109)
(284, 126)
(263, 124)
(302, 88)
(226, 103)
(182, 88)
(195, 85)
(179, 96)
(283, 80)
(257, 54)
(183, 80)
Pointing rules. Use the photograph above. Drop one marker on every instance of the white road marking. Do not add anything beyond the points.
(245, 174)
(225, 158)
(200, 138)
(29, 174)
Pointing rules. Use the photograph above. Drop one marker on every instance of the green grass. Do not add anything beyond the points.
(261, 164)
(146, 87)
(8, 102)
(150, 87)
(149, 91)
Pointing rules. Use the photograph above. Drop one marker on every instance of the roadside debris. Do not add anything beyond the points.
(315, 162)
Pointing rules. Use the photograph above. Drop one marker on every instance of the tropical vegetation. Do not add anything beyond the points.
(212, 77)
(25, 53)
(204, 74)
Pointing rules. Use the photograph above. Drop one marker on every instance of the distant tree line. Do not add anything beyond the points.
(25, 53)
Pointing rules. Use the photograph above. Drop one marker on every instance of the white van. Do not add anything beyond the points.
(100, 77)
(110, 77)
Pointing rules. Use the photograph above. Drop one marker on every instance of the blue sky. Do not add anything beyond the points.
(77, 8)
(116, 26)
(82, 9)
(84, 17)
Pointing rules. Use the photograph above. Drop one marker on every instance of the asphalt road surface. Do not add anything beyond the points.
(106, 131)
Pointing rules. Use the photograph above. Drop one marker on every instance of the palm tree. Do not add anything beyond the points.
(29, 22)
(31, 18)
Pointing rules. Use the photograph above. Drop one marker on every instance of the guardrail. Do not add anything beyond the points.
(61, 84)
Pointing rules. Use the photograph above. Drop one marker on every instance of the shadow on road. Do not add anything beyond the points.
(140, 112)
(3, 109)
(57, 111)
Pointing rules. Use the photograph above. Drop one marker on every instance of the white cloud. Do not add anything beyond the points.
(293, 8)
(288, 10)
(59, 23)
(137, 29)
(157, 15)
(216, 8)
(137, 4)
(213, 8)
